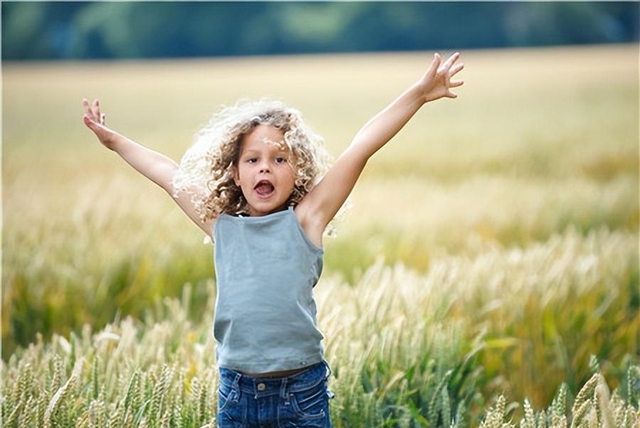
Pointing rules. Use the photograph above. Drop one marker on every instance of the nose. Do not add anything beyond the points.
(264, 167)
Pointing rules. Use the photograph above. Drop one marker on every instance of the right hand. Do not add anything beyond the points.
(95, 121)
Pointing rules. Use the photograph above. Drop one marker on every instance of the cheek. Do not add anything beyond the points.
(292, 176)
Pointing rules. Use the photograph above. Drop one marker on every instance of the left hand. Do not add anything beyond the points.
(436, 82)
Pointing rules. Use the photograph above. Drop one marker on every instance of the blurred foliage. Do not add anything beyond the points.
(85, 30)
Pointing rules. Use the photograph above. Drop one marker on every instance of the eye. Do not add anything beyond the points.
(252, 160)
(281, 160)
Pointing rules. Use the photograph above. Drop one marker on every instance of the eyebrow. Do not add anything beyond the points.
(280, 144)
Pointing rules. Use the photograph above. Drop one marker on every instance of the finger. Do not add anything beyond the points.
(85, 106)
(96, 108)
(456, 83)
(456, 69)
(435, 64)
(103, 118)
(451, 60)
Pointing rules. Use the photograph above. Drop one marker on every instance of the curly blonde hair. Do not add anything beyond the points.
(206, 169)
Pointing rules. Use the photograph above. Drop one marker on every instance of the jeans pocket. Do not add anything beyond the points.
(226, 395)
(306, 408)
(231, 410)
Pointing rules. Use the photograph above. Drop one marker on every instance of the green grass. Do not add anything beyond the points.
(491, 249)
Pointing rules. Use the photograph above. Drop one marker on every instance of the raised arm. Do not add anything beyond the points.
(155, 166)
(324, 201)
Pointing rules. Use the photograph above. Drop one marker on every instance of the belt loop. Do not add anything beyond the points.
(236, 388)
(329, 372)
(236, 381)
(283, 391)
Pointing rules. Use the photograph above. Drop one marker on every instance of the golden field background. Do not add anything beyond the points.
(538, 139)
(515, 206)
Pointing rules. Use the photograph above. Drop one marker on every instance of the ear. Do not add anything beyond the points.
(236, 175)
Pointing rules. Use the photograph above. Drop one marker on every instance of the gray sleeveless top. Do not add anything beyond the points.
(265, 315)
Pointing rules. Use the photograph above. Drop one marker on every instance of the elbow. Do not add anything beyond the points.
(359, 152)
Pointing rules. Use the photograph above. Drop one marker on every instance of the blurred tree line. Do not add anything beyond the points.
(88, 30)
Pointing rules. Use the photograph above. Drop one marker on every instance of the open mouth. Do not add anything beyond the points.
(264, 188)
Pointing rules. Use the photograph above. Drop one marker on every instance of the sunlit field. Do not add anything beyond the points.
(485, 272)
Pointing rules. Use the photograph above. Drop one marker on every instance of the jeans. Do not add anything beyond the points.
(300, 400)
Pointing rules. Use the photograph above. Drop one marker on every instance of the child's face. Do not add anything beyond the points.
(264, 172)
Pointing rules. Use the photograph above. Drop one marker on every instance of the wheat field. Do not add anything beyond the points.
(486, 272)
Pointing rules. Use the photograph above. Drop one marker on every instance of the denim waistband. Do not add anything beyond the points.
(264, 386)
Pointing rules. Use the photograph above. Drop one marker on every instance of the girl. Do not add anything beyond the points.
(256, 182)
